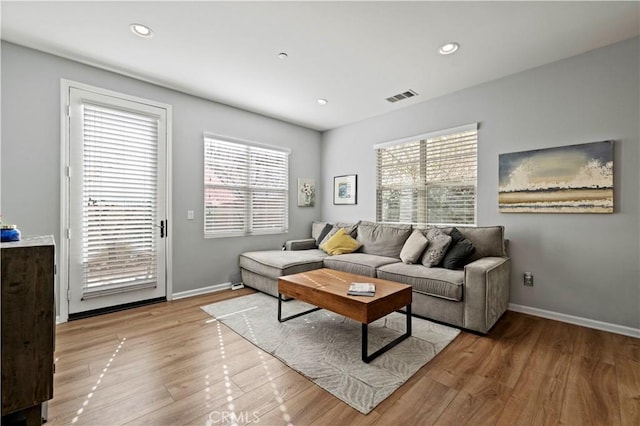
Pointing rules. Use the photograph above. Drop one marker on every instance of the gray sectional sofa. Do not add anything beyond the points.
(474, 297)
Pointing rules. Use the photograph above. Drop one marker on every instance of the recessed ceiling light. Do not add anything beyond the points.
(448, 48)
(141, 30)
(283, 55)
(322, 101)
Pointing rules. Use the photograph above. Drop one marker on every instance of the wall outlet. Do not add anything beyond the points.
(528, 279)
(189, 214)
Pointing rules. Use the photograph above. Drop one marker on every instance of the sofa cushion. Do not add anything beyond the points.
(358, 263)
(340, 243)
(459, 251)
(488, 241)
(414, 247)
(438, 282)
(382, 239)
(437, 247)
(276, 263)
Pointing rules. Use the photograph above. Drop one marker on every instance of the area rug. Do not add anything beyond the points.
(326, 347)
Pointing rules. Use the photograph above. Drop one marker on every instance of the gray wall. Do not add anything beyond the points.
(583, 264)
(30, 153)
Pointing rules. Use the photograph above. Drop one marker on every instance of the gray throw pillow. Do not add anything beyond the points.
(413, 247)
(350, 228)
(328, 235)
(327, 228)
(458, 252)
(316, 230)
(438, 244)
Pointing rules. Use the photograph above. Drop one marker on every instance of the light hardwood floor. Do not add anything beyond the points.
(171, 364)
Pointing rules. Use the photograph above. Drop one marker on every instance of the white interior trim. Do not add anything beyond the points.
(62, 284)
(62, 276)
(208, 135)
(584, 322)
(202, 290)
(176, 296)
(169, 202)
(570, 319)
(459, 129)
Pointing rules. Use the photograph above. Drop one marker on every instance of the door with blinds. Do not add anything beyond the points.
(117, 234)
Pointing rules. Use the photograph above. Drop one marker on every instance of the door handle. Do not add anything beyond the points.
(162, 228)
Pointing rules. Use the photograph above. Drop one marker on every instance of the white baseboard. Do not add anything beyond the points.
(181, 295)
(202, 290)
(585, 322)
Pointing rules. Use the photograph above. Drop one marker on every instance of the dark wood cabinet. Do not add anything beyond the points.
(28, 325)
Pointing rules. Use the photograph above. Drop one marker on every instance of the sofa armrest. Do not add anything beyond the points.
(486, 292)
(304, 244)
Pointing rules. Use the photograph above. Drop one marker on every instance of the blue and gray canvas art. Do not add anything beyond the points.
(568, 179)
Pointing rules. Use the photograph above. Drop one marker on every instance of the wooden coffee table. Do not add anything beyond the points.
(327, 289)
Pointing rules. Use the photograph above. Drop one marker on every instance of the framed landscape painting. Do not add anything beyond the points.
(567, 179)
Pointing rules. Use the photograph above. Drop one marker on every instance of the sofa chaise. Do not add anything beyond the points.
(473, 296)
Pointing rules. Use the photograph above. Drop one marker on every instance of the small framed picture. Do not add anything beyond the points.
(345, 189)
(306, 192)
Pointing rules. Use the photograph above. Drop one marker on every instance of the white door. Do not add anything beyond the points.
(117, 201)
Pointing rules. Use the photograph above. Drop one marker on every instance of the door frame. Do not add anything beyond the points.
(62, 295)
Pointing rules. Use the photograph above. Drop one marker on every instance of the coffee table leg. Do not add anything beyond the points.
(280, 319)
(365, 343)
(365, 339)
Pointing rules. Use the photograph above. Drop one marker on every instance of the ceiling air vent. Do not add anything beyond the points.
(401, 96)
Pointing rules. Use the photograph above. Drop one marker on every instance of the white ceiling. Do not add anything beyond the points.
(355, 54)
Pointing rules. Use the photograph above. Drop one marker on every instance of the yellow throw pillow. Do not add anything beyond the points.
(340, 243)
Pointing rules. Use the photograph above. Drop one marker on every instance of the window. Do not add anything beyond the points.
(246, 188)
(428, 179)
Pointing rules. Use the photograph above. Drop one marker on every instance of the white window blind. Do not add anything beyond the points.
(246, 189)
(429, 180)
(119, 200)
(401, 187)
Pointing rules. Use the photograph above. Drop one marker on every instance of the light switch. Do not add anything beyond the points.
(189, 214)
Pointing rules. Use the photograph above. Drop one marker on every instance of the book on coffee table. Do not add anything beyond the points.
(362, 289)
